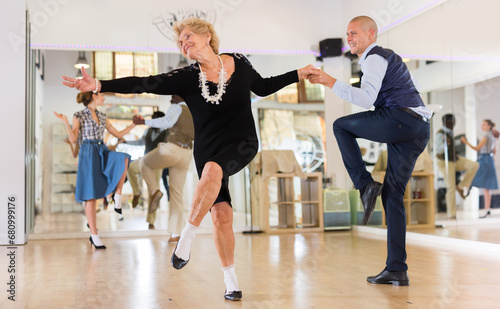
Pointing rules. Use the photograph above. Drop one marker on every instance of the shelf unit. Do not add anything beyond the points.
(293, 204)
(64, 168)
(419, 207)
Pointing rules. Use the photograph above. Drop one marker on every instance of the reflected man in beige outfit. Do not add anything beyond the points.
(176, 154)
(449, 163)
(151, 138)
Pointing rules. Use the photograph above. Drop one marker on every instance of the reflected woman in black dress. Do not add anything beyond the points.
(217, 91)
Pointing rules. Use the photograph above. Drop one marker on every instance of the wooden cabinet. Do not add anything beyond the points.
(419, 200)
(292, 203)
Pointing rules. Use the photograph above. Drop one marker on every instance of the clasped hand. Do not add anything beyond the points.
(138, 119)
(316, 76)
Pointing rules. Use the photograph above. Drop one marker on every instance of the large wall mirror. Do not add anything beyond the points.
(57, 212)
(466, 87)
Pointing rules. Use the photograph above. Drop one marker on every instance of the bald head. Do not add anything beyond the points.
(368, 23)
(361, 33)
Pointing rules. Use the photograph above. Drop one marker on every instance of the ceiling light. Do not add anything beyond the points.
(82, 61)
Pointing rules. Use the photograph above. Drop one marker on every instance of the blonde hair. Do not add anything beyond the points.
(84, 97)
(367, 22)
(198, 26)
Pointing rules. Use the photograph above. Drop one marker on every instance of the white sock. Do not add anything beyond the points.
(184, 245)
(118, 201)
(97, 240)
(174, 235)
(230, 279)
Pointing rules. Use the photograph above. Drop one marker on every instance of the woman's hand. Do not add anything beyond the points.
(84, 84)
(305, 72)
(463, 139)
(61, 116)
(319, 76)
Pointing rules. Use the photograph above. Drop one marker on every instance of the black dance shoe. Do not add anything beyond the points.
(390, 277)
(369, 199)
(119, 212)
(97, 247)
(233, 295)
(177, 262)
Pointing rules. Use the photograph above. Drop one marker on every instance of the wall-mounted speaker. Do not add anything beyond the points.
(330, 48)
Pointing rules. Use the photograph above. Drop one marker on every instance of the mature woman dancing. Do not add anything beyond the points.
(100, 171)
(217, 91)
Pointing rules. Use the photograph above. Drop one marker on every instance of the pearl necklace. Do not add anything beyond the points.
(221, 86)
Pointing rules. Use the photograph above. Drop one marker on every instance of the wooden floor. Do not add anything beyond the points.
(483, 230)
(308, 270)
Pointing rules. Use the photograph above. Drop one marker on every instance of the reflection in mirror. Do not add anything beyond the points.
(299, 131)
(468, 98)
(58, 214)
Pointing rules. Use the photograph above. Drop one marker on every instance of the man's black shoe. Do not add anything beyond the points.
(369, 198)
(390, 277)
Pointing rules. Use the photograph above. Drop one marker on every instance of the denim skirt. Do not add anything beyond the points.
(99, 170)
(486, 176)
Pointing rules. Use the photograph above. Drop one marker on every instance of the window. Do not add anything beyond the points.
(110, 65)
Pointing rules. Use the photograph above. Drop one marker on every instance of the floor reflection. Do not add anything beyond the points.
(484, 230)
(75, 224)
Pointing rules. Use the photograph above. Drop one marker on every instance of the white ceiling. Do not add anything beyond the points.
(430, 29)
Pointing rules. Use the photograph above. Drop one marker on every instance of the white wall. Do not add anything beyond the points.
(388, 13)
(12, 126)
(255, 25)
(454, 30)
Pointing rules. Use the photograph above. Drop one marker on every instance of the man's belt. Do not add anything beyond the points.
(416, 115)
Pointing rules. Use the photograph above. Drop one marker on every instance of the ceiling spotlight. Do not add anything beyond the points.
(82, 61)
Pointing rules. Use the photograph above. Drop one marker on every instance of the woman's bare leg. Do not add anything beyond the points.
(205, 194)
(487, 199)
(119, 186)
(90, 213)
(118, 192)
(222, 219)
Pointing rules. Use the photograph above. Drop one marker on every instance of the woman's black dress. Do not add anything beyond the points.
(224, 133)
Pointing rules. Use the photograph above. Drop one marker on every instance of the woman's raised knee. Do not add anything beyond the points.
(212, 172)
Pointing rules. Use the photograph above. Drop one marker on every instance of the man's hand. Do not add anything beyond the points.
(318, 76)
(138, 119)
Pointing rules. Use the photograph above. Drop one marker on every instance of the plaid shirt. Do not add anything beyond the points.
(490, 143)
(89, 129)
